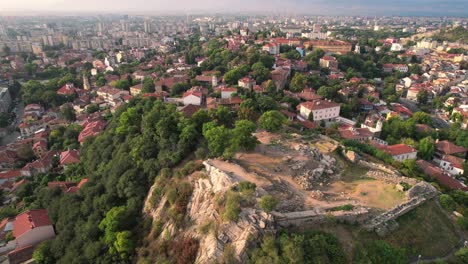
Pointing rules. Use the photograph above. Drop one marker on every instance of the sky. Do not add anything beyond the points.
(315, 7)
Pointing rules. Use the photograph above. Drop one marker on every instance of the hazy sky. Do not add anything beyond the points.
(325, 7)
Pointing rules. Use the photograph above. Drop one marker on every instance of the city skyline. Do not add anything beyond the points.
(455, 8)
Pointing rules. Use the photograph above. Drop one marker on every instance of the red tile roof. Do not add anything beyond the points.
(69, 157)
(92, 129)
(398, 149)
(441, 177)
(454, 161)
(29, 220)
(319, 104)
(448, 147)
(10, 174)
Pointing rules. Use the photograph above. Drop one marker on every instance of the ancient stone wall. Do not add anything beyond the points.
(312, 217)
(419, 193)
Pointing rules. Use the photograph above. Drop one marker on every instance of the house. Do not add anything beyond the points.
(373, 122)
(309, 94)
(208, 79)
(40, 148)
(388, 67)
(280, 77)
(400, 152)
(226, 92)
(232, 103)
(289, 115)
(74, 189)
(91, 129)
(65, 186)
(359, 134)
(440, 176)
(9, 175)
(32, 227)
(320, 109)
(365, 105)
(69, 157)
(452, 164)
(30, 128)
(328, 62)
(271, 48)
(193, 98)
(109, 93)
(190, 109)
(67, 90)
(136, 89)
(246, 83)
(42, 165)
(446, 147)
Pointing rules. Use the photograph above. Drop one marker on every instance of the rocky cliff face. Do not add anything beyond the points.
(203, 220)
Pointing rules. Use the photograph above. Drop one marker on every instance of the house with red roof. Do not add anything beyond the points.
(75, 189)
(40, 148)
(226, 92)
(446, 147)
(246, 82)
(32, 227)
(271, 48)
(64, 185)
(91, 129)
(400, 152)
(69, 157)
(452, 164)
(359, 134)
(321, 110)
(194, 96)
(328, 62)
(190, 109)
(67, 90)
(42, 165)
(440, 176)
(9, 175)
(309, 94)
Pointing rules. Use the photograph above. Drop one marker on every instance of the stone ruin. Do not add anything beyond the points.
(308, 178)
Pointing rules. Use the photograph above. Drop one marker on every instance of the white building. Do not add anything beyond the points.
(271, 48)
(452, 164)
(226, 92)
(400, 152)
(320, 109)
(194, 98)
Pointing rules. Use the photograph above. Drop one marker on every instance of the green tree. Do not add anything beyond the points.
(272, 121)
(242, 135)
(217, 137)
(260, 73)
(422, 97)
(68, 113)
(462, 255)
(124, 244)
(447, 202)
(148, 85)
(42, 254)
(298, 83)
(426, 148)
(123, 84)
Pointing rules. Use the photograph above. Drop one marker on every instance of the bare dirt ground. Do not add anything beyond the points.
(269, 167)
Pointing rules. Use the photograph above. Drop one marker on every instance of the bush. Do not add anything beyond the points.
(345, 207)
(246, 187)
(232, 207)
(447, 202)
(463, 222)
(268, 203)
